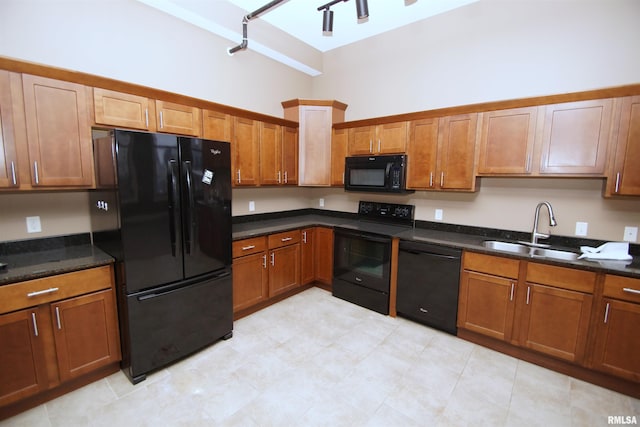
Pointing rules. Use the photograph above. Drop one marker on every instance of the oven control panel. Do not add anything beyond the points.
(391, 212)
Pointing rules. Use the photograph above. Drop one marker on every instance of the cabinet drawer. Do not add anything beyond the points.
(561, 277)
(249, 246)
(624, 288)
(40, 291)
(284, 239)
(498, 266)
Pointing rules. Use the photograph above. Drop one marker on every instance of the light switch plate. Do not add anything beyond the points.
(33, 224)
(321, 202)
(581, 228)
(252, 206)
(630, 234)
(438, 215)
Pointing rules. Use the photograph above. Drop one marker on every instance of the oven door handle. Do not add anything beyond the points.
(369, 237)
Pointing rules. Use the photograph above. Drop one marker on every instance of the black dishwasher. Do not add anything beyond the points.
(428, 281)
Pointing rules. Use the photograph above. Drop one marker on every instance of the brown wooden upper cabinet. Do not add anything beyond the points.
(216, 126)
(9, 176)
(576, 137)
(441, 153)
(119, 109)
(339, 143)
(624, 175)
(58, 127)
(245, 152)
(289, 155)
(506, 141)
(388, 138)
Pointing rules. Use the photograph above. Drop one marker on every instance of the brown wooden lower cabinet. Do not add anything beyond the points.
(323, 257)
(250, 281)
(307, 255)
(59, 340)
(554, 316)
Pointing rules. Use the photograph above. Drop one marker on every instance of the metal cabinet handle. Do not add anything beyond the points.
(371, 146)
(35, 170)
(528, 293)
(528, 165)
(58, 317)
(304, 237)
(146, 116)
(246, 248)
(42, 292)
(264, 261)
(617, 182)
(631, 291)
(161, 120)
(35, 324)
(441, 179)
(13, 173)
(286, 239)
(430, 179)
(378, 145)
(286, 180)
(513, 285)
(239, 180)
(273, 259)
(606, 314)
(279, 177)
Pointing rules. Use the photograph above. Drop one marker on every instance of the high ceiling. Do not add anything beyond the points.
(295, 26)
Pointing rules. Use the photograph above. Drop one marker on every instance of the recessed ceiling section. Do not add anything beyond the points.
(292, 31)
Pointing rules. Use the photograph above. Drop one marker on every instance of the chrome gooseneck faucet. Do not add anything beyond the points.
(535, 235)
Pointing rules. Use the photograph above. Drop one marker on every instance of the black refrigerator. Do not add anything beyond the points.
(162, 209)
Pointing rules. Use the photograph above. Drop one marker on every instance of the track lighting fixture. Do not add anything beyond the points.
(362, 8)
(327, 15)
(327, 22)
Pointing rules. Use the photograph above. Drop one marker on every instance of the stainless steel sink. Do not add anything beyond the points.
(534, 252)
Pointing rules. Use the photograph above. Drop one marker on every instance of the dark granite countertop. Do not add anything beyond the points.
(469, 238)
(46, 257)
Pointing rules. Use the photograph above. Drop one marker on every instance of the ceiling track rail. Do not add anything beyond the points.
(245, 21)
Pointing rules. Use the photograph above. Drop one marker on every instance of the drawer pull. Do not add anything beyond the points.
(246, 248)
(42, 292)
(631, 291)
(286, 239)
(35, 324)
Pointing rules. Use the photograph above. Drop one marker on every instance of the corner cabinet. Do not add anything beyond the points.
(54, 330)
(58, 132)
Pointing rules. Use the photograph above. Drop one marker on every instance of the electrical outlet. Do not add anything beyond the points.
(252, 206)
(630, 234)
(438, 215)
(321, 202)
(581, 228)
(33, 224)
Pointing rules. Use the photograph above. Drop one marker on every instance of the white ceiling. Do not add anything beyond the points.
(299, 21)
(301, 18)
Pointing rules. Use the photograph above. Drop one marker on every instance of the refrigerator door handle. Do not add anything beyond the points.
(173, 190)
(188, 230)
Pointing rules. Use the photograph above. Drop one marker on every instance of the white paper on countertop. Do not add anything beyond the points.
(608, 251)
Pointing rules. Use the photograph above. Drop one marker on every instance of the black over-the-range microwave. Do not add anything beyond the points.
(383, 174)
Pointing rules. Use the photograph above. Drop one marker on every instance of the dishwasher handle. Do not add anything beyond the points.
(432, 254)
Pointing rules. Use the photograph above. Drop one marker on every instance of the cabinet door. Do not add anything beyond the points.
(361, 140)
(178, 118)
(323, 255)
(315, 145)
(58, 132)
(487, 304)
(575, 138)
(121, 109)
(284, 269)
(246, 152)
(392, 138)
(625, 175)
(86, 333)
(456, 152)
(555, 321)
(289, 155)
(250, 280)
(8, 160)
(270, 154)
(506, 141)
(216, 126)
(339, 143)
(22, 361)
(307, 252)
(617, 349)
(422, 149)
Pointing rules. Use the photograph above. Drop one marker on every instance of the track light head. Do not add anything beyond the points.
(362, 8)
(327, 22)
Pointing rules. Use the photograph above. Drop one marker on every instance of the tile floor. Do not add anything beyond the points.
(315, 360)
